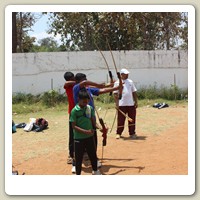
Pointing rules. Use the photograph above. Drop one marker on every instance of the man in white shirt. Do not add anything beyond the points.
(127, 104)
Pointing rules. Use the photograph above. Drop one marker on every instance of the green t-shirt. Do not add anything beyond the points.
(82, 117)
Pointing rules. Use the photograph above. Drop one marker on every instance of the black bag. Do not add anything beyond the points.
(160, 105)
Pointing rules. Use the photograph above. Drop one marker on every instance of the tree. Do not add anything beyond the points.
(21, 24)
(47, 44)
(123, 30)
(14, 32)
(25, 20)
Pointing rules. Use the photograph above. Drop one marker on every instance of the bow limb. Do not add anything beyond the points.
(109, 72)
(120, 84)
(103, 128)
(118, 74)
(129, 119)
(104, 131)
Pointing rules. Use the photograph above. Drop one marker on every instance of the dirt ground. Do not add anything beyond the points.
(161, 147)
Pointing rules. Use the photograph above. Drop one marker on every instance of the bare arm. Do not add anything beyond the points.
(69, 83)
(90, 83)
(135, 97)
(110, 89)
(104, 85)
(81, 130)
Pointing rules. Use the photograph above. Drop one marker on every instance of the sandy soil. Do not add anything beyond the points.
(161, 148)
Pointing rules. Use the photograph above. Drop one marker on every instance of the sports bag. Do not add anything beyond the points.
(29, 126)
(13, 127)
(41, 124)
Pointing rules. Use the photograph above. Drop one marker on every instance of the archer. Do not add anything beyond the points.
(93, 89)
(83, 122)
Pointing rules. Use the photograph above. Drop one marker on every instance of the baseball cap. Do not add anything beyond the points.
(124, 71)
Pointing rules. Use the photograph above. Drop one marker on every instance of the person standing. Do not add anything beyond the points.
(83, 123)
(127, 104)
(93, 89)
(68, 86)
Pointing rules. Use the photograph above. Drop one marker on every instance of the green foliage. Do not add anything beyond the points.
(52, 98)
(48, 44)
(172, 93)
(104, 98)
(25, 98)
(123, 30)
(49, 99)
(22, 23)
(28, 103)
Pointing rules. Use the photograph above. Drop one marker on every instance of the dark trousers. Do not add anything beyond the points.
(80, 146)
(131, 111)
(95, 138)
(71, 141)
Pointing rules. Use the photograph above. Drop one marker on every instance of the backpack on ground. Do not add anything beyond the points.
(40, 124)
(13, 127)
(29, 126)
(160, 105)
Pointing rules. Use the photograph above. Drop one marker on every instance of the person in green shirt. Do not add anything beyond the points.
(83, 123)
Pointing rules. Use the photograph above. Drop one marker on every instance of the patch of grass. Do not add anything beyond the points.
(50, 98)
(23, 108)
(54, 101)
(53, 98)
(168, 93)
(151, 102)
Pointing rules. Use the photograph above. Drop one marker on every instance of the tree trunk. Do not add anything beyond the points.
(20, 32)
(14, 33)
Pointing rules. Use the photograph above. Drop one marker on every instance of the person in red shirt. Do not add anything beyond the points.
(68, 86)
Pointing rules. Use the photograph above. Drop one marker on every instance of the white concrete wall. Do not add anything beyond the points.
(38, 72)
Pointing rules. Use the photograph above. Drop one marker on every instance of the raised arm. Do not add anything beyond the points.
(90, 83)
(69, 83)
(110, 89)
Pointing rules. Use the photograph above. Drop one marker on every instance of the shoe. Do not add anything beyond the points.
(73, 169)
(98, 164)
(96, 172)
(118, 136)
(134, 136)
(69, 160)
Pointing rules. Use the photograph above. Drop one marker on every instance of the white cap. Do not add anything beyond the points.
(124, 71)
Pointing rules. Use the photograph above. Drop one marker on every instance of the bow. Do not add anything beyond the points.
(129, 119)
(118, 74)
(103, 128)
(109, 72)
(104, 131)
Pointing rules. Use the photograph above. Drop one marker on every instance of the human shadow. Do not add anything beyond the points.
(119, 159)
(138, 138)
(106, 168)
